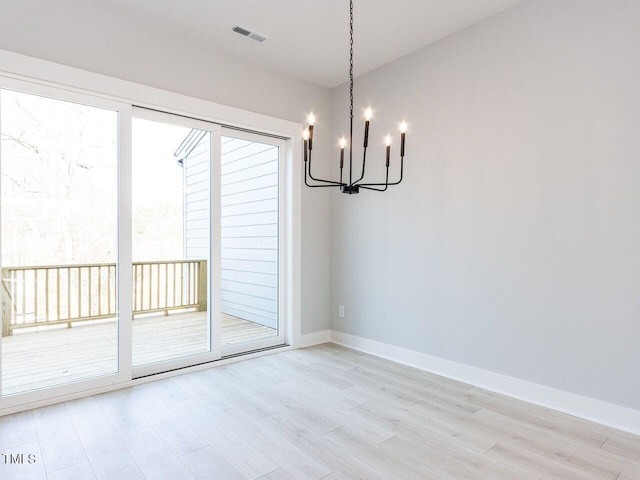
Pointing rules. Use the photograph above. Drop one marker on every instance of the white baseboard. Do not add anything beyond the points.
(597, 411)
(314, 338)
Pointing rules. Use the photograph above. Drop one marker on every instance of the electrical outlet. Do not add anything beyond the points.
(341, 311)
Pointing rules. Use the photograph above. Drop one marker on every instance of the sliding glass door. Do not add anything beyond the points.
(59, 163)
(173, 293)
(251, 236)
(132, 242)
(206, 242)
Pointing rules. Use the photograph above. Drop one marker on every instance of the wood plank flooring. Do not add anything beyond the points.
(324, 412)
(39, 359)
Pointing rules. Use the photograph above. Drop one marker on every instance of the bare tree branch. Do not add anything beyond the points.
(22, 186)
(22, 143)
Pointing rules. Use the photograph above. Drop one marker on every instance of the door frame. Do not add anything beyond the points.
(213, 280)
(283, 323)
(37, 72)
(123, 257)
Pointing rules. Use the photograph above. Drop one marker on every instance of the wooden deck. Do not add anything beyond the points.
(40, 359)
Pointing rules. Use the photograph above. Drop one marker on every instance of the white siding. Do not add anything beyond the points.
(196, 201)
(249, 228)
(249, 224)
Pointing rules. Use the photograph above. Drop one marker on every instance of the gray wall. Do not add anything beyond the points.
(84, 35)
(512, 245)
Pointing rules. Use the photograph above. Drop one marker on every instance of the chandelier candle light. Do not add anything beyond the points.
(352, 186)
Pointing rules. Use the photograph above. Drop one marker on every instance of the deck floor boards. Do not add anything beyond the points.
(40, 359)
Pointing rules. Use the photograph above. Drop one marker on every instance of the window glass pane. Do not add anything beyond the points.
(59, 241)
(249, 236)
(171, 241)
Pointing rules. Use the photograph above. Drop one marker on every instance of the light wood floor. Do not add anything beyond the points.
(318, 413)
(40, 359)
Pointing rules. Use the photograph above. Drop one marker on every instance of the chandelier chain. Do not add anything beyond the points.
(351, 59)
(351, 90)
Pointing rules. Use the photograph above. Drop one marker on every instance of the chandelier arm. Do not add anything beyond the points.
(364, 162)
(306, 182)
(387, 183)
(401, 171)
(332, 182)
(381, 184)
(321, 186)
(370, 186)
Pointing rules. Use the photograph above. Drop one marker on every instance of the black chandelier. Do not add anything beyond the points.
(352, 186)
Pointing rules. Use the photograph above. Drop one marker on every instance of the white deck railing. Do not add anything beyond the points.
(65, 294)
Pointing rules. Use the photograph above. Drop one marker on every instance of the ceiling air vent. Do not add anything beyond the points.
(245, 32)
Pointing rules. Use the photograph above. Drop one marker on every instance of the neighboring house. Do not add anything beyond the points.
(249, 221)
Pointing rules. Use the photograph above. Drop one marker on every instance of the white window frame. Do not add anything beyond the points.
(57, 80)
(124, 245)
(213, 285)
(279, 339)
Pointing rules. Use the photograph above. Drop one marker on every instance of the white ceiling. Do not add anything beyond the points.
(309, 39)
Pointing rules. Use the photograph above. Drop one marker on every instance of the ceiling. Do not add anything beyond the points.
(309, 39)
